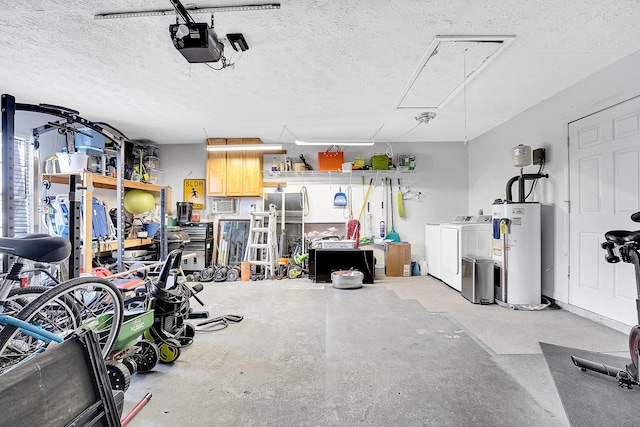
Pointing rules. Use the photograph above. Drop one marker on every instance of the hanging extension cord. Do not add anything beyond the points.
(218, 323)
(526, 307)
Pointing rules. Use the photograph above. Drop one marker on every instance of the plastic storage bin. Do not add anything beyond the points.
(152, 162)
(76, 162)
(95, 140)
(154, 175)
(347, 279)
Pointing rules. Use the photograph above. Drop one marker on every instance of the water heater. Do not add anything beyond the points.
(516, 251)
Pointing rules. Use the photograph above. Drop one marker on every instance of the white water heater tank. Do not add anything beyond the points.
(521, 275)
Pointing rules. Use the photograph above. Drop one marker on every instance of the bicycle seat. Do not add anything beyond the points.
(635, 217)
(620, 237)
(37, 247)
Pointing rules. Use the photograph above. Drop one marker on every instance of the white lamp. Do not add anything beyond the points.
(245, 147)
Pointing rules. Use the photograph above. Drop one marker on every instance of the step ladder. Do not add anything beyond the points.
(262, 244)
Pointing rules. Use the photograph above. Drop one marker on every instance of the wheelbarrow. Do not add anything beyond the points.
(130, 354)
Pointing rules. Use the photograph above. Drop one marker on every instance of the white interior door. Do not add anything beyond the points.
(604, 154)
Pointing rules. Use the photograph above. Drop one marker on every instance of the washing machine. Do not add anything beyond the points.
(468, 236)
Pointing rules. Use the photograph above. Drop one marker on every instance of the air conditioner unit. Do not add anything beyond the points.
(220, 206)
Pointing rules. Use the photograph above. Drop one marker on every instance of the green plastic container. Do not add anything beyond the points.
(380, 162)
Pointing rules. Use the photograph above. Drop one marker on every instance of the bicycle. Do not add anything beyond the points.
(628, 245)
(33, 317)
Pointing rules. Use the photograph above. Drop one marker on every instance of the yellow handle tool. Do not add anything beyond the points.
(400, 201)
(364, 202)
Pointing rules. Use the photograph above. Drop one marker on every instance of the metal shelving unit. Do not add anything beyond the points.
(90, 181)
(337, 174)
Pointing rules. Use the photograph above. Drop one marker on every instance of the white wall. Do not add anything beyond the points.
(441, 176)
(179, 162)
(545, 125)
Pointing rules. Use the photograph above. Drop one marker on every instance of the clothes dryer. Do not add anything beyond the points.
(468, 236)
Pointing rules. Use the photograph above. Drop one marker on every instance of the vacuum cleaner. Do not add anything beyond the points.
(169, 299)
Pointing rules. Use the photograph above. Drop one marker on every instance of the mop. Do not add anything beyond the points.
(392, 235)
(368, 226)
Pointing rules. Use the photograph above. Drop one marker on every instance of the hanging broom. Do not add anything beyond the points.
(353, 226)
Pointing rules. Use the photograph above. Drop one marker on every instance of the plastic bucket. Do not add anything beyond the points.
(347, 279)
(76, 162)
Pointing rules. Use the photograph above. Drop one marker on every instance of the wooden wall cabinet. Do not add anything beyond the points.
(216, 169)
(234, 173)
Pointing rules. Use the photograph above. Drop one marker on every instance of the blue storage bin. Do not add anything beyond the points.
(84, 141)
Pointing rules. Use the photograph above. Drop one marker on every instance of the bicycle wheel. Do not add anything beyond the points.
(634, 344)
(61, 318)
(86, 301)
(21, 297)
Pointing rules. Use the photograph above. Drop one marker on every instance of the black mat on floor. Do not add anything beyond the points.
(590, 398)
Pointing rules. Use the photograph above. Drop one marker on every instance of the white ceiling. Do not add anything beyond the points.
(323, 69)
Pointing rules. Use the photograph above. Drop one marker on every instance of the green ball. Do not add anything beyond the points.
(139, 201)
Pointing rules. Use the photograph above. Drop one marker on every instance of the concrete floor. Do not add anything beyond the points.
(403, 351)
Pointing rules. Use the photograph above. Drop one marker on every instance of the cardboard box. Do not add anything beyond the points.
(397, 259)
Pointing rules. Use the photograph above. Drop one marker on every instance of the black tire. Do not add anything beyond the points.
(147, 357)
(118, 374)
(232, 275)
(19, 298)
(206, 275)
(85, 301)
(634, 344)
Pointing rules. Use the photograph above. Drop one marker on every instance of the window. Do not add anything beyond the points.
(23, 187)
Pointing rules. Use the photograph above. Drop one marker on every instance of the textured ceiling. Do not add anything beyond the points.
(323, 69)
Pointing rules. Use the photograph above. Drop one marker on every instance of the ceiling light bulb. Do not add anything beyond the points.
(425, 117)
(182, 32)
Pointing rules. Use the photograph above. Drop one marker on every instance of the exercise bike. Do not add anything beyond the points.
(627, 244)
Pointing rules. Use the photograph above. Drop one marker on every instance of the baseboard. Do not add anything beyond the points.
(610, 323)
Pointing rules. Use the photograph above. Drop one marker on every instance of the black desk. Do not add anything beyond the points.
(323, 261)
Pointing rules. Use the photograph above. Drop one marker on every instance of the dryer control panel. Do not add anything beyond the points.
(470, 219)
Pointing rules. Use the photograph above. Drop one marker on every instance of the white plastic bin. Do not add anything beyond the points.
(76, 162)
